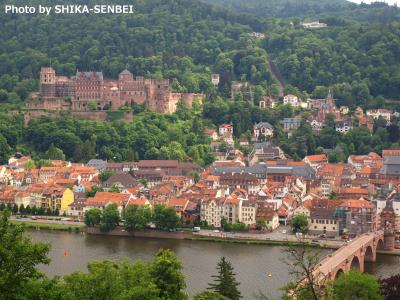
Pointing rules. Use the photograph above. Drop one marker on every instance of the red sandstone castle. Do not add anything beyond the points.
(89, 92)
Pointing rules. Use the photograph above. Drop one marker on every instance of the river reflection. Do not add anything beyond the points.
(252, 263)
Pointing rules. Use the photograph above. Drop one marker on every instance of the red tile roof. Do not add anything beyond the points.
(317, 158)
(391, 152)
(102, 198)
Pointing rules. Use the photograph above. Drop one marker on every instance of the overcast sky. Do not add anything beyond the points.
(369, 1)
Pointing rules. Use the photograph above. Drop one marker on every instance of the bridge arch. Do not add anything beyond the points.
(338, 273)
(380, 245)
(355, 263)
(370, 254)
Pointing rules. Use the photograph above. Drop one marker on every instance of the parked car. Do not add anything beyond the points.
(196, 229)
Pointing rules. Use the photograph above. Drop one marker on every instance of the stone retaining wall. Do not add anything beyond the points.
(178, 235)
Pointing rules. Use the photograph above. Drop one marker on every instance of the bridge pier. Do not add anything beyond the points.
(389, 240)
(370, 254)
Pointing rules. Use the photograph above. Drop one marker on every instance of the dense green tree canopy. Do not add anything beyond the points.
(136, 217)
(376, 12)
(166, 271)
(355, 285)
(165, 218)
(357, 61)
(299, 223)
(207, 295)
(19, 258)
(110, 217)
(92, 217)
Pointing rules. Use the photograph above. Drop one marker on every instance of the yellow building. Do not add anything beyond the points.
(66, 199)
(323, 221)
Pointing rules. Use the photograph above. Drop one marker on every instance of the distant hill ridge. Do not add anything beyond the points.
(378, 11)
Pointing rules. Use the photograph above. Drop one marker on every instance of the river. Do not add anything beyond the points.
(252, 263)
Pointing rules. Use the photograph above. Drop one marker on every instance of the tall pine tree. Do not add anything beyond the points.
(225, 282)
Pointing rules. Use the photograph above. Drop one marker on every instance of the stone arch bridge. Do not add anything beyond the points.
(351, 255)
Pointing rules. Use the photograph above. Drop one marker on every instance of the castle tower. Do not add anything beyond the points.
(125, 75)
(388, 219)
(47, 75)
(47, 82)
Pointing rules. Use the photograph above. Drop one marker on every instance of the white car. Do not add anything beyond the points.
(196, 229)
(216, 231)
(284, 231)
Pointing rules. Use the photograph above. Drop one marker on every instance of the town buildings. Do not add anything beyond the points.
(380, 113)
(344, 126)
(391, 164)
(257, 35)
(239, 87)
(263, 190)
(267, 102)
(316, 161)
(291, 100)
(233, 209)
(314, 25)
(263, 130)
(263, 152)
(323, 221)
(226, 133)
(215, 79)
(290, 124)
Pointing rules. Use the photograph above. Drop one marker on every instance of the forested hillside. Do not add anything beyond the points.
(148, 136)
(178, 39)
(376, 12)
(186, 41)
(355, 60)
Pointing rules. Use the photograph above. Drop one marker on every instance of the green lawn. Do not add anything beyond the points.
(51, 226)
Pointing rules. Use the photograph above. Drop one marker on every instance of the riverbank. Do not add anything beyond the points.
(255, 242)
(51, 226)
(188, 235)
(156, 234)
(205, 235)
(253, 263)
(395, 252)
